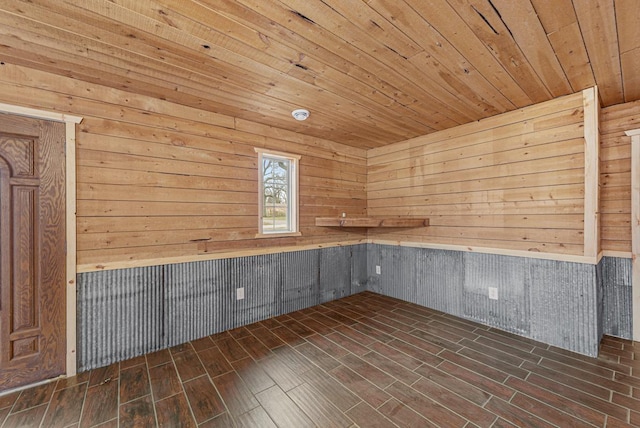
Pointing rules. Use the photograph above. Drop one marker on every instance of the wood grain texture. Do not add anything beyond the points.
(479, 185)
(635, 227)
(162, 183)
(615, 175)
(372, 73)
(32, 250)
(591, 173)
(154, 153)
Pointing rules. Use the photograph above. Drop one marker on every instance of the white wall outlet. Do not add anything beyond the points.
(239, 293)
(493, 293)
(378, 270)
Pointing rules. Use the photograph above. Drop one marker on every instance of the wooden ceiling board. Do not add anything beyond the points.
(558, 18)
(186, 81)
(94, 47)
(329, 71)
(630, 62)
(445, 19)
(372, 72)
(599, 31)
(89, 67)
(315, 95)
(411, 80)
(297, 30)
(520, 19)
(189, 81)
(440, 52)
(485, 22)
(628, 20)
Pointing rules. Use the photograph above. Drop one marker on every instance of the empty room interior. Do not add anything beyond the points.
(330, 213)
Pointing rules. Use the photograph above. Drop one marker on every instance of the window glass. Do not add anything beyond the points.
(278, 193)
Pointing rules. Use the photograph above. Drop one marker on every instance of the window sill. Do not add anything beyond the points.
(277, 234)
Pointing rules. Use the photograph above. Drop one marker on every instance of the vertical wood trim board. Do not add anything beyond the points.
(70, 179)
(635, 228)
(591, 175)
(70, 148)
(615, 176)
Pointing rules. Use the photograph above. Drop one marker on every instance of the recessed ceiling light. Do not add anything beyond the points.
(300, 114)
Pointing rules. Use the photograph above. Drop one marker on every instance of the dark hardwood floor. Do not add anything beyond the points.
(366, 360)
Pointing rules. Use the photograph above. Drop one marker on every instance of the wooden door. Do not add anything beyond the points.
(32, 250)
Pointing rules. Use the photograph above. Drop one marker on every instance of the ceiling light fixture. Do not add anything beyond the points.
(300, 114)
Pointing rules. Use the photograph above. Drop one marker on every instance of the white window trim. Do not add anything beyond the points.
(294, 197)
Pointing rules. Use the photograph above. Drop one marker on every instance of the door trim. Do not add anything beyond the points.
(635, 229)
(70, 155)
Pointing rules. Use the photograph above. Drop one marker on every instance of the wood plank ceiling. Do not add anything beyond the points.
(371, 72)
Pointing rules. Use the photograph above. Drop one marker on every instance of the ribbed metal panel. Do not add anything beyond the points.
(564, 305)
(440, 280)
(335, 273)
(403, 269)
(615, 280)
(373, 259)
(300, 280)
(359, 272)
(600, 301)
(397, 277)
(510, 311)
(260, 277)
(120, 315)
(197, 296)
(129, 312)
(554, 302)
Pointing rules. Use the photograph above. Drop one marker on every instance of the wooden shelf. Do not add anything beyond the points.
(370, 222)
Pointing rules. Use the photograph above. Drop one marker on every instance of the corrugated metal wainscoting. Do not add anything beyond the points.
(615, 280)
(550, 301)
(128, 312)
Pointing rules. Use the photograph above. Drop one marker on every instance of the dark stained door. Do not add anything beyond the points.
(32, 250)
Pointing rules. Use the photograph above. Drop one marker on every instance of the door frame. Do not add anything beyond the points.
(70, 224)
(635, 229)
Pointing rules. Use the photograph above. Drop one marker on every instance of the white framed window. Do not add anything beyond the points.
(277, 194)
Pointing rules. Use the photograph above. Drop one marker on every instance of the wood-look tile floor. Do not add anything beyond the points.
(366, 360)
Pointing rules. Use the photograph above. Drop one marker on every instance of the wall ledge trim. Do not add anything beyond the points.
(619, 254)
(489, 250)
(91, 267)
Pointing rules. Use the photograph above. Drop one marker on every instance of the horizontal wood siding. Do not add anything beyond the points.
(157, 181)
(514, 182)
(615, 175)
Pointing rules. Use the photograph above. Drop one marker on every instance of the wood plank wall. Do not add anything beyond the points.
(158, 182)
(510, 182)
(615, 175)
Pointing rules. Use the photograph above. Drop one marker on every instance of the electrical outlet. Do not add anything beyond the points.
(239, 293)
(493, 293)
(378, 271)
